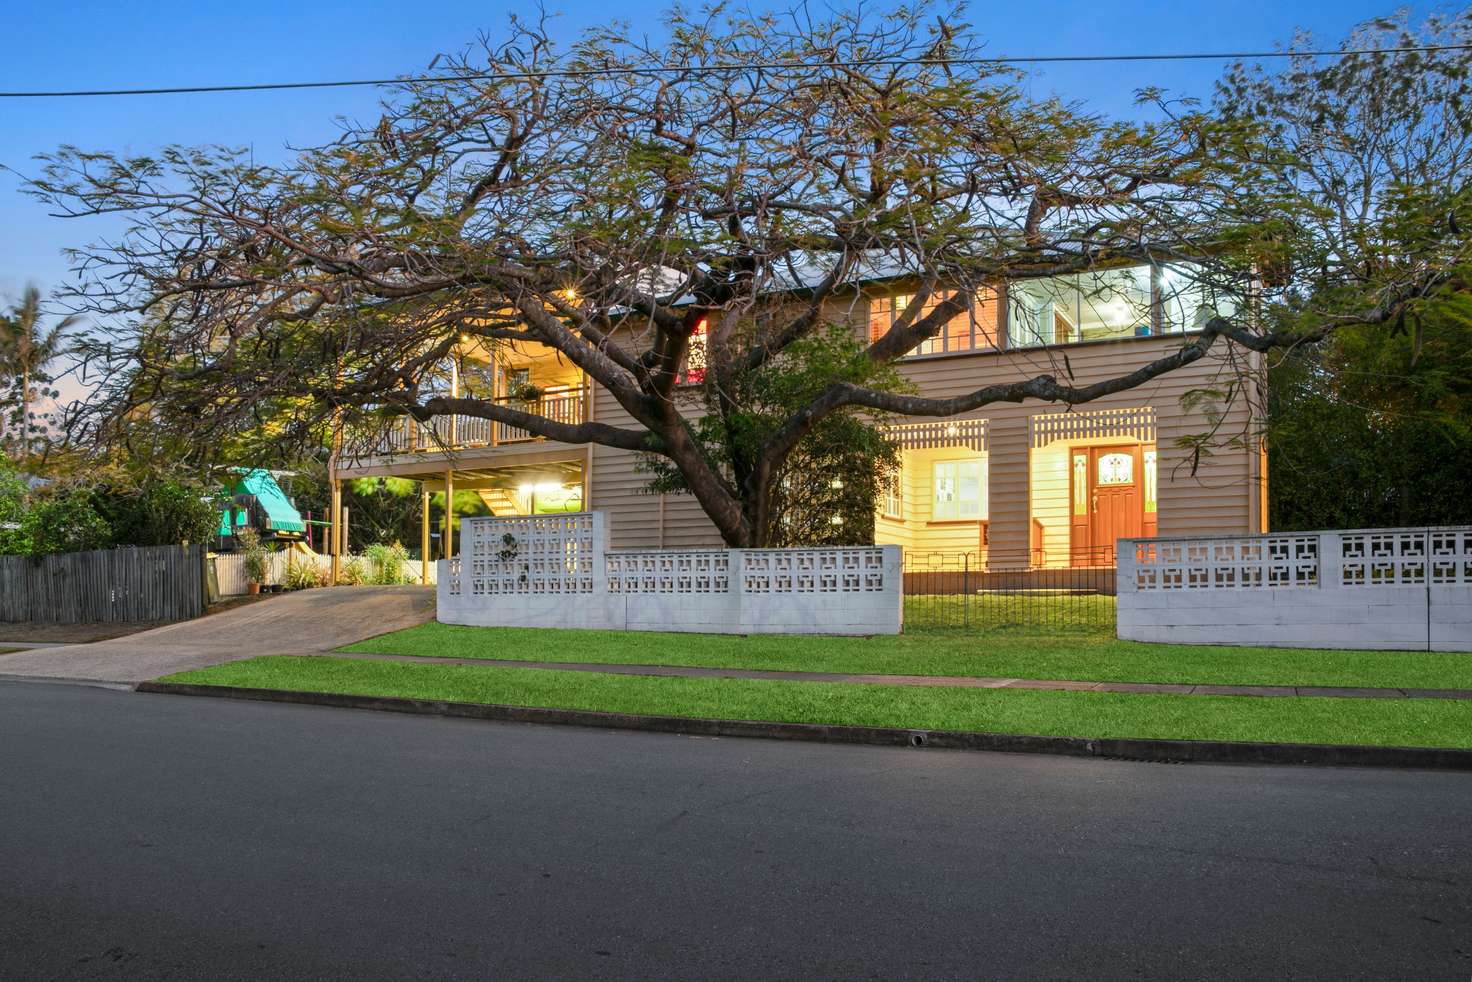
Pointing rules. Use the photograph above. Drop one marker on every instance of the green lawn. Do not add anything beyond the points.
(1020, 653)
(1403, 722)
(6, 651)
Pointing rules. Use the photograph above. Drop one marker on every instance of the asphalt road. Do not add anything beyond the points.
(146, 836)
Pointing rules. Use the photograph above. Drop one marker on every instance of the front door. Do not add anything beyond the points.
(1107, 492)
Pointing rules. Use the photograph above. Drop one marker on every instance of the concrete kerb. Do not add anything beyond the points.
(1162, 751)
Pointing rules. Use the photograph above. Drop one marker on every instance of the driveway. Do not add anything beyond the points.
(294, 623)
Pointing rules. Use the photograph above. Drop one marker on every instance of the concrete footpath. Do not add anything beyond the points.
(301, 622)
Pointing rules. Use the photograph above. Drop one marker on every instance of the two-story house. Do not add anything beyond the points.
(1016, 484)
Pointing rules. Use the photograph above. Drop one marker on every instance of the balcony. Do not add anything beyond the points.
(459, 432)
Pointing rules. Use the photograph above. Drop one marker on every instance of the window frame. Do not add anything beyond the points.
(894, 492)
(983, 505)
(897, 303)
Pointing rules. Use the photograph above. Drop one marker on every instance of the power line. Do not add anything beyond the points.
(702, 69)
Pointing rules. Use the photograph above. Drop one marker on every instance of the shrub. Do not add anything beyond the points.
(351, 572)
(385, 563)
(161, 513)
(13, 540)
(65, 521)
(305, 574)
(254, 552)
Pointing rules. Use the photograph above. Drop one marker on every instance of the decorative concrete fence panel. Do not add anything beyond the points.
(557, 571)
(1405, 589)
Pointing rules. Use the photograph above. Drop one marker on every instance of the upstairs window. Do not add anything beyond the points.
(1187, 302)
(974, 329)
(1112, 303)
(694, 370)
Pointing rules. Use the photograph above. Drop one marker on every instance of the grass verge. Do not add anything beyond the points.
(1092, 657)
(1386, 722)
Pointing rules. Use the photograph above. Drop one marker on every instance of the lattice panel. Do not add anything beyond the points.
(1227, 563)
(1450, 552)
(537, 554)
(853, 570)
(669, 572)
(1388, 558)
(452, 583)
(1137, 424)
(939, 434)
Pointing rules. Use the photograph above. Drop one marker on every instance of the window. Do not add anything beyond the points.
(694, 372)
(974, 329)
(1116, 468)
(893, 503)
(1149, 482)
(1085, 307)
(1080, 484)
(1116, 303)
(1187, 302)
(958, 491)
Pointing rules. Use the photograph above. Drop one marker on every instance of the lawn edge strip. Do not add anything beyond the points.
(654, 670)
(1162, 751)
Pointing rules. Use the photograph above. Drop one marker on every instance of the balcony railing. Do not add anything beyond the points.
(459, 432)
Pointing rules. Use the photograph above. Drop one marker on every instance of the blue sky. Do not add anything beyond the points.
(101, 45)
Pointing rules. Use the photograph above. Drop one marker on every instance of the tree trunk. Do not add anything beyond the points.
(25, 410)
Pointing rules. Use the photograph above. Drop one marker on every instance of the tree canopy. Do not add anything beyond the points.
(748, 173)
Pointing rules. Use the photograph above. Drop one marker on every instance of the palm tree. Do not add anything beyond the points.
(26, 349)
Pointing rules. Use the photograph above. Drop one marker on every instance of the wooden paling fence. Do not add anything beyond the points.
(153, 583)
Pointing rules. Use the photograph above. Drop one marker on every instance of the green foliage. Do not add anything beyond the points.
(1367, 433)
(385, 564)
(254, 552)
(351, 571)
(839, 468)
(13, 540)
(65, 520)
(306, 575)
(163, 512)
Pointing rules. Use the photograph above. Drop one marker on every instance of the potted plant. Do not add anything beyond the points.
(255, 558)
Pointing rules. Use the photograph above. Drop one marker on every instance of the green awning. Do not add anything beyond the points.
(280, 515)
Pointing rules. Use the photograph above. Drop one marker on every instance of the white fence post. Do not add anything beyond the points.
(1331, 561)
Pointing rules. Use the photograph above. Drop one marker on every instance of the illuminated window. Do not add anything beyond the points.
(1116, 468)
(1084, 307)
(958, 491)
(974, 329)
(1188, 301)
(1149, 481)
(694, 372)
(1081, 484)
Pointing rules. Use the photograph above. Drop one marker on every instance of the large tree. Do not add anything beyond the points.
(609, 197)
(27, 349)
(1374, 427)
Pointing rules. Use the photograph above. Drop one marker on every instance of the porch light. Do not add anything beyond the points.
(952, 429)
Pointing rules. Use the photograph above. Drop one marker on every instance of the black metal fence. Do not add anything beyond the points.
(961, 590)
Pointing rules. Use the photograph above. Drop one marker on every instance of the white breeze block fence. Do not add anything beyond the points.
(1405, 589)
(556, 571)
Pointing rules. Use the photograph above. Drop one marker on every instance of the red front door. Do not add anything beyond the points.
(1107, 491)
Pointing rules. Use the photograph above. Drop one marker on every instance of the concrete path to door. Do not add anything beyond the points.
(303, 622)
